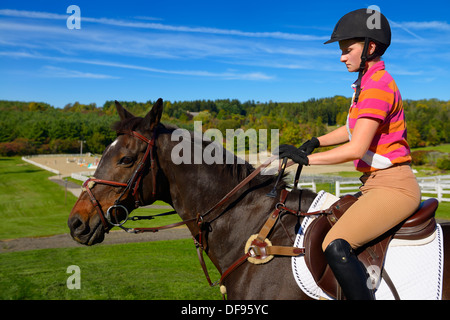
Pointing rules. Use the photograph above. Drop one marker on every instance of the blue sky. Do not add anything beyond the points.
(186, 50)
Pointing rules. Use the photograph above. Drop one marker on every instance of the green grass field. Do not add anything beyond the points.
(30, 204)
(33, 206)
(137, 271)
(440, 148)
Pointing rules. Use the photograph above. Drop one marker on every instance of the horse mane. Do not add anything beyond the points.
(127, 124)
(238, 171)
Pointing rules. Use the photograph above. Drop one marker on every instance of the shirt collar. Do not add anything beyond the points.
(376, 67)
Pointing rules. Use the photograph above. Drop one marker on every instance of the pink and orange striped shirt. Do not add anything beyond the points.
(380, 99)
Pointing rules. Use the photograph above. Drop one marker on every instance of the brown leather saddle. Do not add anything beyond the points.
(419, 225)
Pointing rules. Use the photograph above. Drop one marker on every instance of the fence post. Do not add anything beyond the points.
(338, 189)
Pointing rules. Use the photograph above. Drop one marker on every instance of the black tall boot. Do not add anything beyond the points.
(348, 270)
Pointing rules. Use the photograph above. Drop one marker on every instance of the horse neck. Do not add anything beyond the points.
(194, 188)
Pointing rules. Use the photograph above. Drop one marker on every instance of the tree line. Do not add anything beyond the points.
(39, 128)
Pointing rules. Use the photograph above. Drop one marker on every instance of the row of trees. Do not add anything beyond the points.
(38, 128)
(26, 130)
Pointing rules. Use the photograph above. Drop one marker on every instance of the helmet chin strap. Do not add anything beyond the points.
(362, 67)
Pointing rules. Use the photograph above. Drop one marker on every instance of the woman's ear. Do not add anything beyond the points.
(372, 47)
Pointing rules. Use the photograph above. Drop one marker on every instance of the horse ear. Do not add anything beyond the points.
(123, 113)
(153, 118)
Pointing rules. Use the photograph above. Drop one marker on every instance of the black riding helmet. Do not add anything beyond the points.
(363, 23)
(368, 25)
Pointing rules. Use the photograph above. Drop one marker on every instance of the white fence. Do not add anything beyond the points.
(26, 159)
(432, 187)
(82, 176)
(309, 185)
(352, 186)
(437, 185)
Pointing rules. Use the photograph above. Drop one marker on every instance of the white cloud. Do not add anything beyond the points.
(422, 31)
(32, 14)
(56, 72)
(401, 71)
(403, 27)
(255, 76)
(175, 46)
(133, 43)
(133, 46)
(163, 27)
(426, 25)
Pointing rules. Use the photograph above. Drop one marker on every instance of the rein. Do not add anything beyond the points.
(258, 248)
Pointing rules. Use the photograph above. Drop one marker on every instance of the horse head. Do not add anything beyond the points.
(127, 176)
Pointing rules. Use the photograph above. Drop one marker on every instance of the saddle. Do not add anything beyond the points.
(419, 225)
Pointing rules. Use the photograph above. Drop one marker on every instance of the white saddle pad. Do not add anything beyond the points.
(415, 267)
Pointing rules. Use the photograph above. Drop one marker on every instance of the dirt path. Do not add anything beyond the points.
(114, 237)
(66, 241)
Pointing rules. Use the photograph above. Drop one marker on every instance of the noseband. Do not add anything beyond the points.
(132, 184)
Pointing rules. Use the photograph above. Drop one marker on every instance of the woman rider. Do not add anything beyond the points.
(375, 138)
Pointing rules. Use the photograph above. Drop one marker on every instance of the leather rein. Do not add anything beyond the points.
(258, 247)
(133, 184)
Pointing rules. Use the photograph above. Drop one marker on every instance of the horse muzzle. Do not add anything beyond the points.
(87, 232)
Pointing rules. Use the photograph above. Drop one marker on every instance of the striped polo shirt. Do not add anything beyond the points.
(380, 99)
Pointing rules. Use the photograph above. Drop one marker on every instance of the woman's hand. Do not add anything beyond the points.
(310, 145)
(291, 152)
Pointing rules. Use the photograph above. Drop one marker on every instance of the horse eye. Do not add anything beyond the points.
(126, 161)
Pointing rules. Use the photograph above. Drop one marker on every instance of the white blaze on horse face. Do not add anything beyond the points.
(111, 146)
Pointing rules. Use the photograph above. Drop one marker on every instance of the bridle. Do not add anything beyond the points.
(133, 184)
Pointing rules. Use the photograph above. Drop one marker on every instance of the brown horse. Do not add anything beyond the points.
(137, 168)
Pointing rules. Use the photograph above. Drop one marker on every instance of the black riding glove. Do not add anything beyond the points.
(291, 152)
(310, 145)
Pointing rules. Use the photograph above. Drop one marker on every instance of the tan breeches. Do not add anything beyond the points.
(389, 196)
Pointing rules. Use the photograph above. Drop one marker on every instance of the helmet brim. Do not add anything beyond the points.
(336, 39)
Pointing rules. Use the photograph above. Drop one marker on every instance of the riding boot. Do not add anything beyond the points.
(348, 270)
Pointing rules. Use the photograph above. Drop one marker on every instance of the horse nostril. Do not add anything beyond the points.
(74, 223)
